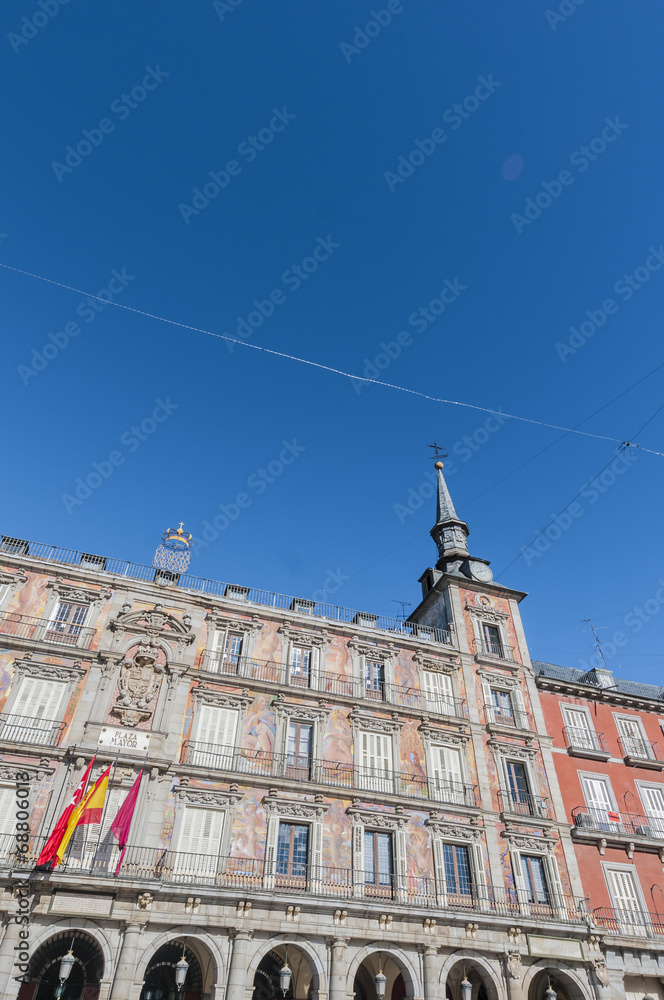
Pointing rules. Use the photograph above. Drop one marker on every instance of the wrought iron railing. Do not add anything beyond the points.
(247, 875)
(494, 648)
(578, 738)
(524, 804)
(617, 823)
(639, 748)
(630, 923)
(516, 719)
(26, 729)
(324, 772)
(273, 672)
(44, 630)
(247, 595)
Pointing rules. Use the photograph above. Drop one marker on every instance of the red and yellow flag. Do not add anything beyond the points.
(89, 810)
(47, 859)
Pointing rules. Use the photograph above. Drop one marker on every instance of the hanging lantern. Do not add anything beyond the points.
(173, 553)
(66, 965)
(466, 988)
(181, 970)
(381, 981)
(550, 993)
(285, 976)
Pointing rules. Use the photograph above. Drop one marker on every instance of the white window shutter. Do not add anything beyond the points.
(358, 854)
(317, 848)
(478, 872)
(271, 846)
(402, 864)
(519, 707)
(519, 881)
(315, 666)
(217, 726)
(488, 703)
(555, 886)
(38, 698)
(439, 870)
(7, 816)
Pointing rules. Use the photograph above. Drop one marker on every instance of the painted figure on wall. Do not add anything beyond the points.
(418, 840)
(338, 738)
(259, 727)
(249, 828)
(337, 837)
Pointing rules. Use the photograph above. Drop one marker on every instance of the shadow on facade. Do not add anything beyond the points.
(304, 981)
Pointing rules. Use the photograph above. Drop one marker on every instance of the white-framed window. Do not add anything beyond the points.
(378, 862)
(379, 855)
(438, 692)
(537, 881)
(579, 728)
(601, 807)
(294, 846)
(8, 809)
(459, 871)
(67, 621)
(627, 898)
(215, 735)
(299, 750)
(505, 706)
(35, 712)
(448, 777)
(492, 640)
(632, 737)
(302, 664)
(375, 761)
(224, 651)
(199, 842)
(652, 797)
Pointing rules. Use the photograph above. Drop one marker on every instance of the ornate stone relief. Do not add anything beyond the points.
(513, 750)
(382, 653)
(362, 720)
(27, 667)
(454, 831)
(150, 625)
(442, 737)
(207, 796)
(276, 806)
(78, 595)
(285, 710)
(428, 662)
(601, 971)
(220, 620)
(513, 967)
(376, 818)
(203, 695)
(137, 686)
(499, 680)
(522, 842)
(303, 637)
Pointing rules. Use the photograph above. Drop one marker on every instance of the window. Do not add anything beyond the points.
(652, 797)
(448, 774)
(374, 679)
(378, 862)
(214, 745)
(534, 877)
(300, 666)
(7, 820)
(438, 692)
(503, 710)
(292, 850)
(600, 802)
(376, 762)
(519, 798)
(491, 641)
(634, 743)
(579, 730)
(67, 622)
(458, 880)
(626, 900)
(298, 750)
(199, 844)
(34, 714)
(224, 652)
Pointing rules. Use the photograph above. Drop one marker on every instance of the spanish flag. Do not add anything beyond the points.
(47, 860)
(89, 810)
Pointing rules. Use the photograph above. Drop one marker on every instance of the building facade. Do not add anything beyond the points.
(333, 804)
(607, 735)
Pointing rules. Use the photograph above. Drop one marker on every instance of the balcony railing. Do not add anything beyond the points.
(494, 648)
(26, 729)
(515, 719)
(247, 875)
(585, 741)
(618, 824)
(324, 772)
(43, 630)
(247, 595)
(630, 923)
(524, 804)
(330, 683)
(636, 748)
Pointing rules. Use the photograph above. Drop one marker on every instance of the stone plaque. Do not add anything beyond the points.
(124, 739)
(78, 903)
(545, 947)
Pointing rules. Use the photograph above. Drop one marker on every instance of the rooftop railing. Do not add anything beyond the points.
(272, 672)
(302, 768)
(247, 875)
(241, 595)
(618, 823)
(44, 630)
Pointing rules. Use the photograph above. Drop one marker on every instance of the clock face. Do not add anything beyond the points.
(481, 572)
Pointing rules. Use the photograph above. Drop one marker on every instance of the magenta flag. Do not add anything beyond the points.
(121, 825)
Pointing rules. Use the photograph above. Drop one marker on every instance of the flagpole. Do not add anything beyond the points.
(106, 802)
(45, 824)
(124, 849)
(71, 839)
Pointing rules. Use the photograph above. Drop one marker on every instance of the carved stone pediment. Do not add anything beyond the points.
(462, 832)
(13, 579)
(304, 637)
(221, 620)
(499, 680)
(153, 621)
(69, 672)
(362, 720)
(207, 796)
(522, 842)
(203, 695)
(295, 808)
(303, 713)
(377, 819)
(428, 662)
(372, 651)
(513, 750)
(443, 737)
(78, 595)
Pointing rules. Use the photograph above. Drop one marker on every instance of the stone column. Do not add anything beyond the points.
(8, 985)
(126, 968)
(237, 977)
(431, 972)
(338, 969)
(514, 976)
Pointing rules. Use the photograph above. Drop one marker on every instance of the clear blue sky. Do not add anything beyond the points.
(334, 114)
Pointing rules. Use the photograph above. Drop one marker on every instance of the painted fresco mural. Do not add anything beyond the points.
(258, 734)
(269, 643)
(249, 827)
(338, 737)
(419, 851)
(406, 672)
(337, 835)
(412, 756)
(338, 659)
(7, 657)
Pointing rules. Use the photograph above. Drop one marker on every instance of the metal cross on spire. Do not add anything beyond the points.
(437, 448)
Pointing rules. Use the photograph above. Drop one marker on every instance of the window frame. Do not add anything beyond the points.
(638, 721)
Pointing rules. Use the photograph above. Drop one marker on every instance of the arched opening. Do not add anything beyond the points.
(267, 982)
(159, 982)
(482, 986)
(365, 986)
(564, 987)
(44, 969)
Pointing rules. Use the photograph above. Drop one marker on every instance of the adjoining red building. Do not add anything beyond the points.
(608, 753)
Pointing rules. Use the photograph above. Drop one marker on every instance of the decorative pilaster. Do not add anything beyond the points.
(237, 976)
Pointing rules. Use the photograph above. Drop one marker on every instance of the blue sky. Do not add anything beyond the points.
(310, 227)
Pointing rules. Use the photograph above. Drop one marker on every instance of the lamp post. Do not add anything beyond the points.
(67, 963)
(380, 980)
(285, 976)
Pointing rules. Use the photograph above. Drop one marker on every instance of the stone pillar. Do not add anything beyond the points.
(431, 972)
(338, 969)
(8, 985)
(514, 976)
(126, 968)
(237, 977)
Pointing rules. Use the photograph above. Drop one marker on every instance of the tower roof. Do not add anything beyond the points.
(449, 532)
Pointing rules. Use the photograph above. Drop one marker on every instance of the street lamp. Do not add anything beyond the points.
(466, 987)
(550, 993)
(181, 970)
(285, 976)
(380, 980)
(67, 963)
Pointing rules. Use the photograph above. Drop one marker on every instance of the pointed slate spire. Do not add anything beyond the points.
(449, 533)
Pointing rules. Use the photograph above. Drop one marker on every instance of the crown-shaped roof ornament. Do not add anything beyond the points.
(173, 554)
